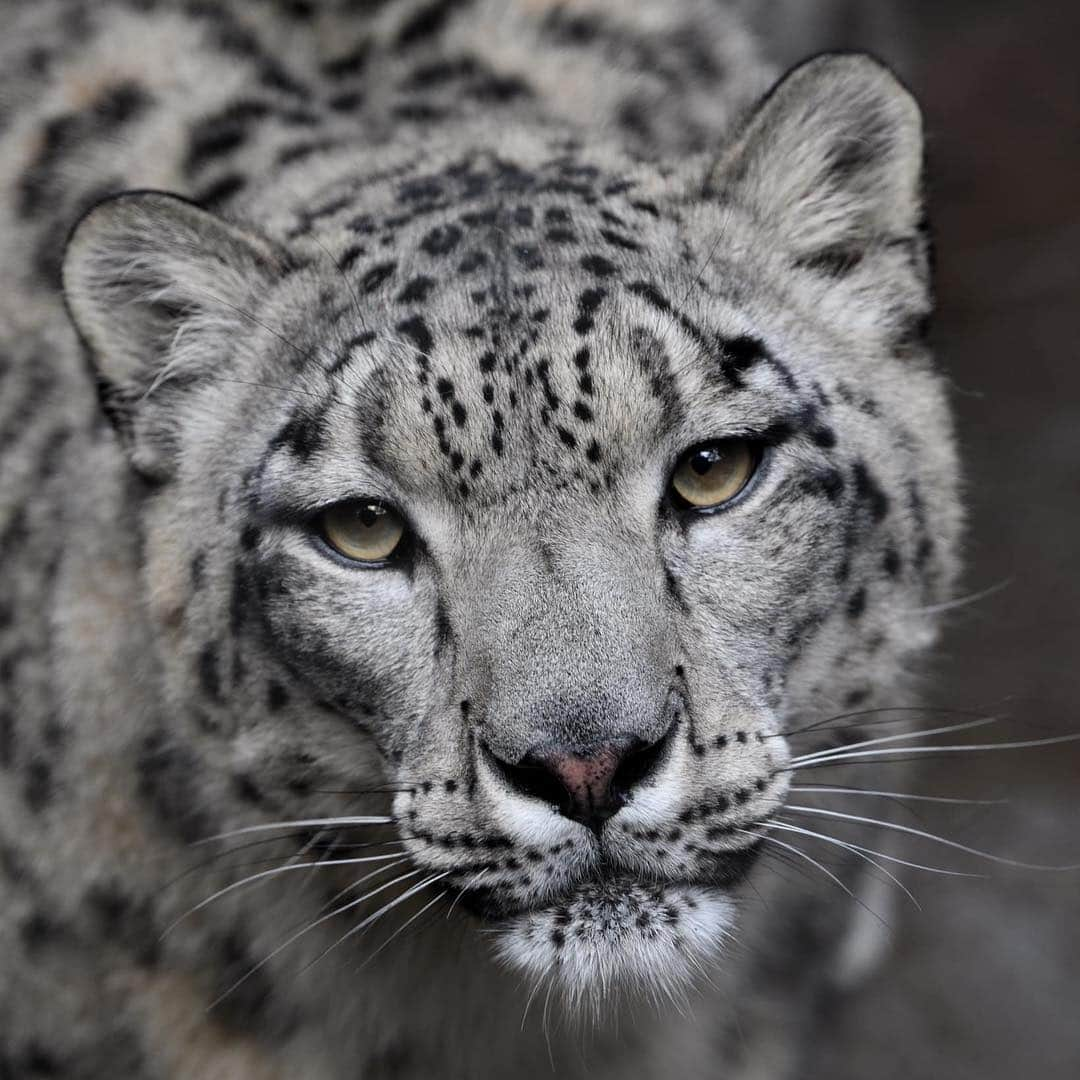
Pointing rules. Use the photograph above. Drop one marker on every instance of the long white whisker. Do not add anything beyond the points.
(802, 855)
(829, 723)
(265, 874)
(903, 736)
(849, 846)
(957, 749)
(341, 822)
(824, 790)
(364, 923)
(307, 929)
(859, 820)
(865, 854)
(959, 601)
(404, 926)
(367, 877)
(465, 888)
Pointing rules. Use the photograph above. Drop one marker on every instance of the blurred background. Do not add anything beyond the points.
(985, 981)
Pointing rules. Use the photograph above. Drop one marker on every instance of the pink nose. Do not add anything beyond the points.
(587, 780)
(587, 784)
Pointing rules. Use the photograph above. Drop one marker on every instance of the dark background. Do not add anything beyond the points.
(985, 981)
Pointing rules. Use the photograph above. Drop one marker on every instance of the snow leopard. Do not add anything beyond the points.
(460, 460)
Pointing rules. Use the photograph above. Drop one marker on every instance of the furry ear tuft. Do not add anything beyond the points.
(832, 158)
(154, 285)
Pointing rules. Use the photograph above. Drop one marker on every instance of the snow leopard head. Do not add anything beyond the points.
(545, 488)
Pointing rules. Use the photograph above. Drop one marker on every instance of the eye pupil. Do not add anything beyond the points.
(703, 461)
(369, 515)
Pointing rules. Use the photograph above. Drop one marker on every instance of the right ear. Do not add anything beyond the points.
(157, 288)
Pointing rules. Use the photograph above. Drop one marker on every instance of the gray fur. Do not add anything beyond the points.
(499, 264)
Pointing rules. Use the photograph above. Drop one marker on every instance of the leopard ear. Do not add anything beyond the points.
(832, 158)
(155, 286)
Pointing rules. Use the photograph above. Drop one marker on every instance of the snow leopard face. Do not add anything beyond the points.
(542, 491)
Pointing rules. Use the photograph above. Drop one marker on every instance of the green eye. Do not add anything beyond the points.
(363, 530)
(711, 475)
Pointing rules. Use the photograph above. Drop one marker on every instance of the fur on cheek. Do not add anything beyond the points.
(617, 936)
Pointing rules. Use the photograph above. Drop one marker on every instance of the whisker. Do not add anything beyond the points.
(960, 601)
(897, 795)
(310, 823)
(813, 862)
(300, 933)
(257, 862)
(903, 736)
(849, 846)
(404, 926)
(465, 888)
(364, 923)
(859, 820)
(865, 856)
(960, 749)
(267, 874)
(360, 881)
(819, 724)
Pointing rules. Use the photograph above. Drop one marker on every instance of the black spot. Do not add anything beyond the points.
(588, 303)
(427, 21)
(249, 537)
(38, 785)
(441, 240)
(472, 261)
(169, 784)
(417, 290)
(277, 697)
(740, 354)
(890, 562)
(376, 276)
(832, 262)
(209, 673)
(618, 240)
(598, 265)
(351, 63)
(417, 331)
(220, 190)
(593, 452)
(856, 604)
(868, 491)
(119, 917)
(302, 434)
(828, 482)
(529, 257)
(651, 294)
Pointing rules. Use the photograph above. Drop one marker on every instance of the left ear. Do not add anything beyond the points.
(158, 289)
(833, 159)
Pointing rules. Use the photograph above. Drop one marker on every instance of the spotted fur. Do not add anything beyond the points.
(498, 264)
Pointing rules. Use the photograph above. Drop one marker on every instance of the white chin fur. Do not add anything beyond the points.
(620, 936)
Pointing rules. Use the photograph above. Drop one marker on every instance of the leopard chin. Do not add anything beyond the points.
(619, 937)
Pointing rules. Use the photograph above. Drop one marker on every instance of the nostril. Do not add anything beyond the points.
(532, 778)
(639, 764)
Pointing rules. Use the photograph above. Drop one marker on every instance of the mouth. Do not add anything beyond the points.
(616, 931)
(619, 936)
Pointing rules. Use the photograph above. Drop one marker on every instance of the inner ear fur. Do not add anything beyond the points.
(832, 158)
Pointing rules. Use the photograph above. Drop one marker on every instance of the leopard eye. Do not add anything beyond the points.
(363, 530)
(712, 474)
